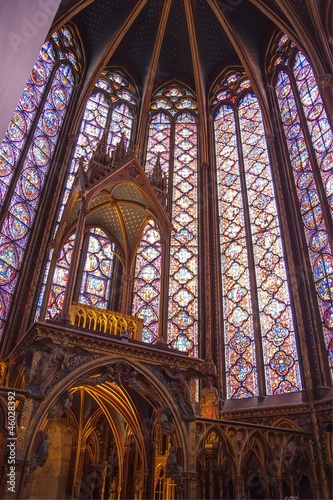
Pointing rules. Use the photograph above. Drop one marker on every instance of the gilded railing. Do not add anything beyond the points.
(102, 320)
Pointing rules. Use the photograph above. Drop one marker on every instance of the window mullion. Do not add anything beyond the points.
(251, 263)
(82, 261)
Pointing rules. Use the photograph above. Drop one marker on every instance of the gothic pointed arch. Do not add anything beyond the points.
(28, 148)
(259, 332)
(172, 142)
(308, 138)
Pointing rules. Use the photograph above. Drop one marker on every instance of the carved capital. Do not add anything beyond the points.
(209, 367)
(325, 80)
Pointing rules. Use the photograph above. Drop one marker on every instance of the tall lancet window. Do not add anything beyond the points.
(27, 150)
(259, 335)
(172, 142)
(109, 112)
(147, 285)
(309, 140)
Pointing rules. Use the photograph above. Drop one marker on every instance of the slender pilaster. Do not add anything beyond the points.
(74, 261)
(207, 305)
(238, 483)
(126, 296)
(164, 296)
(319, 455)
(80, 451)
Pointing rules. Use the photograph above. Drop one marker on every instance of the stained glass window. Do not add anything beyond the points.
(97, 271)
(256, 303)
(147, 285)
(159, 142)
(183, 287)
(23, 170)
(60, 279)
(309, 140)
(111, 108)
(173, 128)
(146, 292)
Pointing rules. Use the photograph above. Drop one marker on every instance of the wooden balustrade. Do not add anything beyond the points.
(102, 320)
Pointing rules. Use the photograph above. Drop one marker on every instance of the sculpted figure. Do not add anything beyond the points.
(209, 400)
(165, 421)
(56, 357)
(173, 470)
(140, 388)
(50, 364)
(181, 391)
(58, 411)
(41, 454)
(108, 376)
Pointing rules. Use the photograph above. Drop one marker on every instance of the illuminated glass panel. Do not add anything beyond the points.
(316, 117)
(20, 125)
(39, 114)
(26, 195)
(97, 271)
(183, 286)
(169, 130)
(60, 279)
(237, 304)
(91, 131)
(107, 108)
(277, 332)
(248, 217)
(316, 233)
(121, 124)
(146, 293)
(159, 142)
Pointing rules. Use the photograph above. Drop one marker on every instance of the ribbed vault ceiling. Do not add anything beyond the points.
(156, 41)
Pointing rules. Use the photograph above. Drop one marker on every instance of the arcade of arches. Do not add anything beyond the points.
(166, 262)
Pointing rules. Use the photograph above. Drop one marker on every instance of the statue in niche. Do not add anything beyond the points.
(209, 400)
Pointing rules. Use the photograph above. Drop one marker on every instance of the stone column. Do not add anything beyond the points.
(22, 477)
(207, 233)
(78, 472)
(238, 483)
(164, 296)
(211, 450)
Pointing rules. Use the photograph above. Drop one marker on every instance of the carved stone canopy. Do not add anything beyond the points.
(118, 198)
